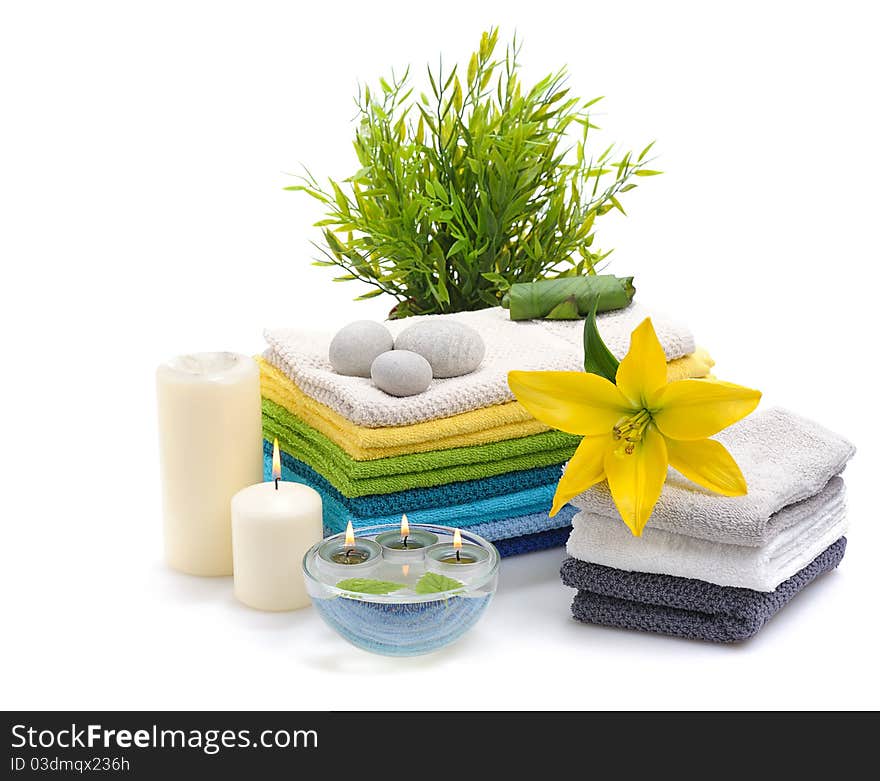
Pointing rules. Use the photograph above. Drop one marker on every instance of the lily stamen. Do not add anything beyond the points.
(631, 428)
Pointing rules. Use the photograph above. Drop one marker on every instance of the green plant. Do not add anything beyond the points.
(468, 189)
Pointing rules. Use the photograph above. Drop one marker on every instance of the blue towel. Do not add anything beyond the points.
(526, 525)
(528, 543)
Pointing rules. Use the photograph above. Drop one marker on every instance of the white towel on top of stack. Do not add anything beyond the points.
(528, 345)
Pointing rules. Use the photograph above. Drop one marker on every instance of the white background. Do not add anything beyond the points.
(143, 151)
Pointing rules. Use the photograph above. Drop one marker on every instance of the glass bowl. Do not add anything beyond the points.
(403, 622)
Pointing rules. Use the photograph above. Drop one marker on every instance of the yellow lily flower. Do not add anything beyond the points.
(634, 430)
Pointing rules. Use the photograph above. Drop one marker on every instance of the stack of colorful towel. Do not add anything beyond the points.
(714, 568)
(464, 453)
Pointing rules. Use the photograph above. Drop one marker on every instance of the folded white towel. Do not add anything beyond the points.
(529, 345)
(784, 458)
(806, 529)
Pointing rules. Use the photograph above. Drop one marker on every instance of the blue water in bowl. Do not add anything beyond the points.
(406, 629)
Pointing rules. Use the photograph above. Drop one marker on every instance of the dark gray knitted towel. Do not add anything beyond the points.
(681, 606)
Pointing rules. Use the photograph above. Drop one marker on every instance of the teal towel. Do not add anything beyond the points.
(494, 517)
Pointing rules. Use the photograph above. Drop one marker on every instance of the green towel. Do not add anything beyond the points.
(416, 470)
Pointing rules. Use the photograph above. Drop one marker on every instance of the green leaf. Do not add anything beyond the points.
(647, 172)
(432, 583)
(497, 279)
(598, 359)
(367, 586)
(645, 151)
(472, 69)
(460, 246)
(341, 200)
(565, 310)
(370, 294)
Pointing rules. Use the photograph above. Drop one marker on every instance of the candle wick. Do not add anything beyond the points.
(458, 555)
(405, 543)
(348, 552)
(276, 482)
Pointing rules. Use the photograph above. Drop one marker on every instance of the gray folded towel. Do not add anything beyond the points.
(785, 459)
(683, 607)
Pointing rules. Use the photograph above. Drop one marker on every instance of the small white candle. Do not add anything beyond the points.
(210, 446)
(273, 525)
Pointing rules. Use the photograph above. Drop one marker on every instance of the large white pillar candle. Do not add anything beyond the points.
(273, 525)
(210, 446)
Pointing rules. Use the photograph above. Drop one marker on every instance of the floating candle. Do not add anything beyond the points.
(349, 557)
(463, 561)
(407, 546)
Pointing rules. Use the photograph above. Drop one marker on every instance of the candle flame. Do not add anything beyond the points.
(405, 570)
(349, 536)
(276, 461)
(456, 539)
(404, 526)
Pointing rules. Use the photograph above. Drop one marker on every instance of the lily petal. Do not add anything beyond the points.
(576, 402)
(642, 372)
(696, 409)
(586, 468)
(636, 480)
(709, 464)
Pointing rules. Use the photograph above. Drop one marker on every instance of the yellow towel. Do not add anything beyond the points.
(695, 366)
(477, 427)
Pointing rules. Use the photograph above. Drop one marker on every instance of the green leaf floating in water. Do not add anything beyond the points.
(367, 586)
(432, 583)
(598, 359)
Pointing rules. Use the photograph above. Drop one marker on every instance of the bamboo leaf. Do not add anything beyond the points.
(499, 280)
(369, 294)
(472, 69)
(645, 152)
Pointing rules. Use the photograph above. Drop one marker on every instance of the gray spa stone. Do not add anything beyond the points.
(401, 373)
(356, 346)
(451, 348)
